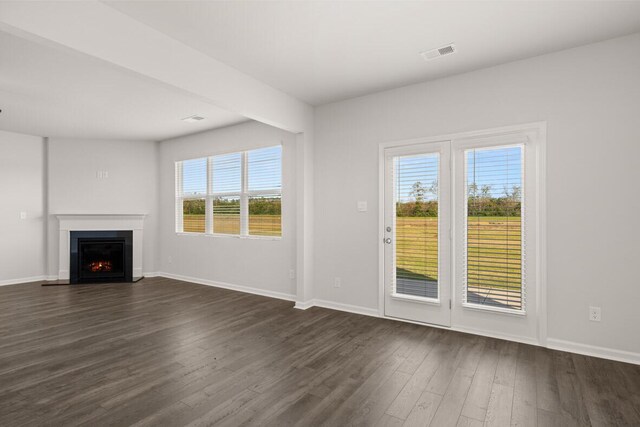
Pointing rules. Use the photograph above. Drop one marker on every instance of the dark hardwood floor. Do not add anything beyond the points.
(169, 353)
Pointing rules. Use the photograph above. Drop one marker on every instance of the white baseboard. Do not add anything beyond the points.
(240, 288)
(337, 306)
(595, 351)
(346, 307)
(303, 305)
(151, 274)
(22, 280)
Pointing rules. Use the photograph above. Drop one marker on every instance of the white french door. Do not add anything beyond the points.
(417, 233)
(461, 232)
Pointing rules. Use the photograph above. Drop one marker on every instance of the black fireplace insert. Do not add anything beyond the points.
(101, 256)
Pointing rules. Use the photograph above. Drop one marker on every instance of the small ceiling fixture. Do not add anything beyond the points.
(193, 119)
(439, 52)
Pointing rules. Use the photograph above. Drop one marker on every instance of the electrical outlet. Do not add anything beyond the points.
(362, 206)
(337, 282)
(292, 274)
(595, 314)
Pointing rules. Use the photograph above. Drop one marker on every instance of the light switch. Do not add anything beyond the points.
(23, 215)
(362, 206)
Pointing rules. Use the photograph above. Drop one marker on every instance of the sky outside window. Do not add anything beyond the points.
(498, 169)
(194, 176)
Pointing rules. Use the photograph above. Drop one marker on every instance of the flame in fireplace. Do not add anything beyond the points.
(97, 266)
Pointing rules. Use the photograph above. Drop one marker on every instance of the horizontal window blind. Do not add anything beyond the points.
(226, 215)
(226, 186)
(416, 203)
(194, 177)
(193, 211)
(264, 188)
(227, 173)
(265, 213)
(265, 169)
(238, 193)
(494, 244)
(191, 193)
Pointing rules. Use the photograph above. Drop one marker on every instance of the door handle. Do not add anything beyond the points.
(387, 240)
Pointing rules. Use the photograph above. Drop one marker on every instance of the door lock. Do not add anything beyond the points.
(387, 240)
(389, 229)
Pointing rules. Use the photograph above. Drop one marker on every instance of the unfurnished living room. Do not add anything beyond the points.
(319, 213)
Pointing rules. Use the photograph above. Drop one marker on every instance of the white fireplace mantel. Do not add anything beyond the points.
(98, 222)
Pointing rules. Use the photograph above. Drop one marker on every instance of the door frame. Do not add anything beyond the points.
(539, 129)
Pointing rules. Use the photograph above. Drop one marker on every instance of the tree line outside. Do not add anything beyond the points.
(257, 206)
(482, 201)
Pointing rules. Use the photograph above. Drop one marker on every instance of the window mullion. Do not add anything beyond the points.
(179, 202)
(208, 209)
(244, 198)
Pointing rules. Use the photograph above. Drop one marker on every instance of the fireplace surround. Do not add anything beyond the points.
(101, 256)
(69, 223)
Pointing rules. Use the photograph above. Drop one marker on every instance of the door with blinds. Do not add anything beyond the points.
(461, 232)
(416, 236)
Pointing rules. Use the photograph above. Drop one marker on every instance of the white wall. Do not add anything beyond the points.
(590, 98)
(243, 262)
(21, 186)
(131, 188)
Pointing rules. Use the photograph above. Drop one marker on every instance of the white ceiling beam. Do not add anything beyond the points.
(95, 29)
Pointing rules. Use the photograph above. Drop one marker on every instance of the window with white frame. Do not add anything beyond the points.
(231, 194)
(494, 243)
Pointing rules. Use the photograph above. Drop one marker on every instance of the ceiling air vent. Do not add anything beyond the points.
(437, 53)
(193, 119)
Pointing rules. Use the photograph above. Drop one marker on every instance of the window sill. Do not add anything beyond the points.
(509, 311)
(411, 298)
(229, 236)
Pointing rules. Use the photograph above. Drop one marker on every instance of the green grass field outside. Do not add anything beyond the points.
(259, 225)
(493, 258)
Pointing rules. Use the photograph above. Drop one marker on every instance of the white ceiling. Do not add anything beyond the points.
(47, 91)
(318, 52)
(323, 51)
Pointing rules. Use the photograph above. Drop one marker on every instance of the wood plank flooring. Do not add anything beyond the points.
(169, 353)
